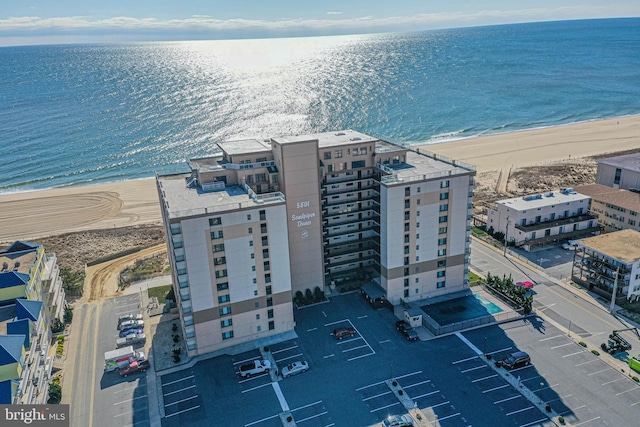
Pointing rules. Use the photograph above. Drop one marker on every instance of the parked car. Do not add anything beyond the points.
(130, 340)
(340, 333)
(516, 360)
(129, 317)
(128, 324)
(254, 367)
(133, 367)
(407, 330)
(126, 332)
(294, 369)
(570, 246)
(398, 421)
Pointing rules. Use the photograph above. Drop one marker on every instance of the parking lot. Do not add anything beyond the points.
(346, 384)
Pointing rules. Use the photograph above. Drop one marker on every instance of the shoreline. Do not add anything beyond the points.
(35, 214)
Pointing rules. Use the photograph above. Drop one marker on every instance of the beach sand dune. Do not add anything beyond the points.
(36, 214)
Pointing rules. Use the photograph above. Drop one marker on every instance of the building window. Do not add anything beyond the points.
(406, 260)
(220, 261)
(253, 268)
(272, 325)
(440, 285)
(250, 242)
(406, 283)
(406, 238)
(265, 241)
(407, 216)
(327, 155)
(226, 323)
(253, 255)
(265, 253)
(442, 263)
(269, 302)
(250, 230)
(407, 204)
(444, 184)
(268, 290)
(406, 293)
(444, 207)
(261, 177)
(263, 228)
(222, 286)
(267, 266)
(216, 234)
(444, 196)
(218, 247)
(442, 241)
(224, 311)
(249, 217)
(616, 178)
(263, 215)
(442, 230)
(406, 226)
(223, 298)
(215, 221)
(442, 252)
(267, 278)
(338, 154)
(442, 219)
(417, 280)
(254, 280)
(270, 313)
(406, 250)
(441, 273)
(221, 273)
(255, 291)
(407, 191)
(257, 315)
(227, 335)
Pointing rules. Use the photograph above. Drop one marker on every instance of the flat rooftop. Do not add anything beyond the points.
(245, 146)
(622, 198)
(627, 161)
(623, 245)
(419, 167)
(535, 201)
(182, 201)
(24, 259)
(329, 139)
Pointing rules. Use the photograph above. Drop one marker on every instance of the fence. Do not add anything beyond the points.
(437, 329)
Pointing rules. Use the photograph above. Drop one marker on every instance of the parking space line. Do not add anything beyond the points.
(382, 342)
(129, 400)
(354, 348)
(590, 361)
(362, 317)
(339, 321)
(426, 394)
(561, 345)
(599, 372)
(521, 410)
(263, 419)
(634, 404)
(142, 408)
(306, 406)
(464, 360)
(312, 329)
(251, 359)
(384, 407)
(448, 416)
(544, 307)
(349, 340)
(326, 357)
(573, 354)
(124, 389)
(284, 349)
(370, 385)
(501, 350)
(534, 422)
(377, 395)
(468, 343)
(496, 388)
(623, 392)
(290, 357)
(439, 404)
(177, 381)
(584, 422)
(184, 410)
(255, 388)
(507, 399)
(359, 357)
(180, 401)
(408, 375)
(550, 338)
(474, 368)
(311, 417)
(485, 378)
(178, 391)
(416, 384)
(613, 381)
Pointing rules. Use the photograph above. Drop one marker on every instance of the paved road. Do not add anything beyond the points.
(99, 398)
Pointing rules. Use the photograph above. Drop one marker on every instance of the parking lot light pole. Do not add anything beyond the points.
(506, 232)
(485, 347)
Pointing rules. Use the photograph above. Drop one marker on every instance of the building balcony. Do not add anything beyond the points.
(360, 245)
(555, 223)
(351, 260)
(350, 176)
(352, 230)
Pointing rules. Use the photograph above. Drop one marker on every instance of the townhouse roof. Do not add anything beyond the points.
(623, 245)
(622, 198)
(10, 349)
(626, 161)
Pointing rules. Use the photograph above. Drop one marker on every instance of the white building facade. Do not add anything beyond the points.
(262, 223)
(538, 219)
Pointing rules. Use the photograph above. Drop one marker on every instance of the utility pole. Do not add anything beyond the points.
(506, 232)
(615, 291)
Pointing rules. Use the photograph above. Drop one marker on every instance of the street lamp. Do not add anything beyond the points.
(506, 232)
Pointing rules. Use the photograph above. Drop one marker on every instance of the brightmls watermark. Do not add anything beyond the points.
(34, 415)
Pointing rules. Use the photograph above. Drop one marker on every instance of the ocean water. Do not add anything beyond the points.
(78, 114)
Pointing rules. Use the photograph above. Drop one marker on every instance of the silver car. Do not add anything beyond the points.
(398, 421)
(294, 369)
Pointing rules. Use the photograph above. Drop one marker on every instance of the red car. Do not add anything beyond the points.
(134, 367)
(340, 333)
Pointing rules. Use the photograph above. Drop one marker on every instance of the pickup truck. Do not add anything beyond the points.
(131, 339)
(132, 368)
(255, 367)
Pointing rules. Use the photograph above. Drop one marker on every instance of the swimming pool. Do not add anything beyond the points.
(491, 307)
(461, 309)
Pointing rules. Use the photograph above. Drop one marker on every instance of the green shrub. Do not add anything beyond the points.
(55, 392)
(582, 343)
(561, 420)
(636, 379)
(596, 352)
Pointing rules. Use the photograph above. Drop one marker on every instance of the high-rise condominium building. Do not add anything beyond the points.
(262, 222)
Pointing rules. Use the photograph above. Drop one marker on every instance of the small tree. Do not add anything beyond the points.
(68, 314)
(317, 294)
(308, 296)
(57, 326)
(55, 392)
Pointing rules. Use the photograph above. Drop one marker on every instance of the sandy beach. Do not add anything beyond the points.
(36, 214)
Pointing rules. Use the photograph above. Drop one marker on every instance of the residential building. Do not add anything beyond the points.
(600, 259)
(261, 223)
(620, 172)
(616, 209)
(539, 219)
(31, 296)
